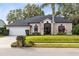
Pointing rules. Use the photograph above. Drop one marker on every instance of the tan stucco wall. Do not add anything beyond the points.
(54, 27)
(40, 26)
(33, 24)
(68, 27)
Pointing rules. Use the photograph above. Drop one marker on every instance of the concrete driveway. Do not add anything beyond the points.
(6, 41)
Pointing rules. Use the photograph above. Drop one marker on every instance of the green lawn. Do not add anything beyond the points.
(57, 45)
(53, 39)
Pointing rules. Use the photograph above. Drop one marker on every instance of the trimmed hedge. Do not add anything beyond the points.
(52, 39)
(36, 33)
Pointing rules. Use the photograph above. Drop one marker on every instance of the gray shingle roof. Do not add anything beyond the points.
(61, 20)
(37, 19)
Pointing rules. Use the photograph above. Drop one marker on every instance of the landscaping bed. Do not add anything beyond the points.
(52, 39)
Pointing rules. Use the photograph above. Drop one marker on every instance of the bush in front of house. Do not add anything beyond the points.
(29, 44)
(14, 44)
(36, 33)
(6, 32)
(27, 32)
(1, 30)
(20, 41)
(61, 33)
(76, 29)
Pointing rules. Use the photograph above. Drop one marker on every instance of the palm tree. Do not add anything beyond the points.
(53, 11)
(53, 8)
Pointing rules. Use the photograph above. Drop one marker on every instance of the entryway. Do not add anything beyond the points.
(47, 28)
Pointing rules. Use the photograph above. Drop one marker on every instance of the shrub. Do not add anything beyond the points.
(36, 33)
(27, 32)
(6, 32)
(30, 44)
(20, 37)
(20, 41)
(2, 30)
(14, 44)
(76, 29)
(61, 33)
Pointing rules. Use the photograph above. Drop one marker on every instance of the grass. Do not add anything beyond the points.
(53, 39)
(57, 45)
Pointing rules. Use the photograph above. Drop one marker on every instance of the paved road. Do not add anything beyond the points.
(6, 50)
(39, 52)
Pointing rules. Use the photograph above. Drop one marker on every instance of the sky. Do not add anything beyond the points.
(6, 7)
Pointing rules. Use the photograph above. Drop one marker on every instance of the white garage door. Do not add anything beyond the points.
(17, 30)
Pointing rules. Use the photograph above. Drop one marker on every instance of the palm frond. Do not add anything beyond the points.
(44, 5)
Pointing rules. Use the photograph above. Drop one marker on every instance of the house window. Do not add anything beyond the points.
(36, 28)
(61, 28)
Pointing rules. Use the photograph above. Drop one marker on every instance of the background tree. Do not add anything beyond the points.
(76, 29)
(53, 8)
(19, 14)
(11, 16)
(30, 10)
(71, 11)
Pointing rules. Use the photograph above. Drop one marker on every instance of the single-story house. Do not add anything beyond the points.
(42, 24)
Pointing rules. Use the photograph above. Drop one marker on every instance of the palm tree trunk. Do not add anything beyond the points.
(53, 14)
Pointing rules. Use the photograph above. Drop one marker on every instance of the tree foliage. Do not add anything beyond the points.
(76, 29)
(30, 10)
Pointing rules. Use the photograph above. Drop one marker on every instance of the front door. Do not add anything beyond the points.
(47, 29)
